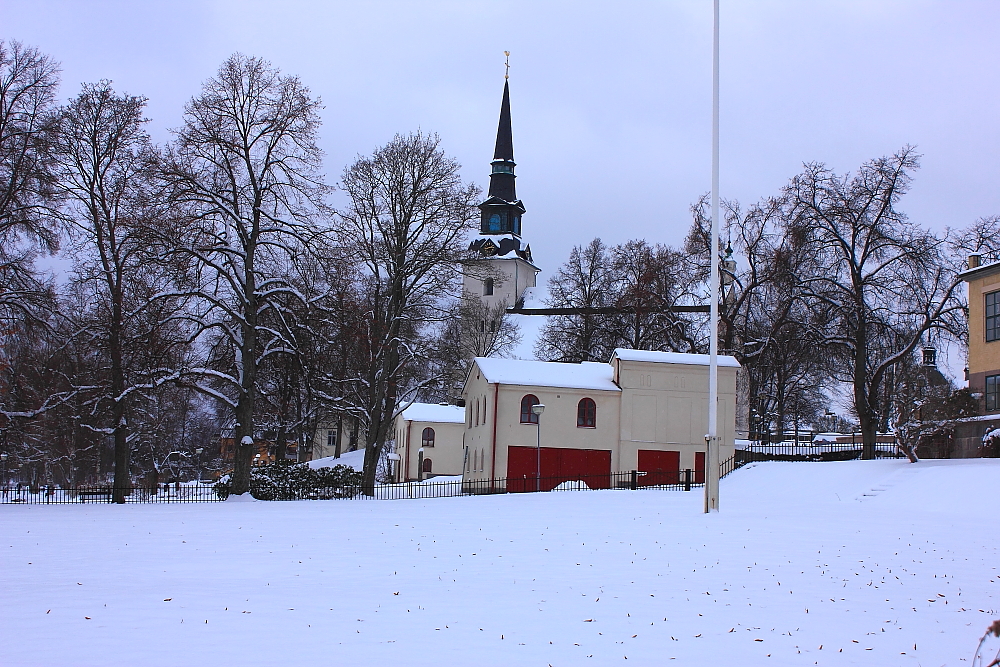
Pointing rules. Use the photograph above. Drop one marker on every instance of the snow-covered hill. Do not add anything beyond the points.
(355, 459)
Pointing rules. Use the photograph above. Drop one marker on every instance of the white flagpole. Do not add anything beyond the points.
(712, 439)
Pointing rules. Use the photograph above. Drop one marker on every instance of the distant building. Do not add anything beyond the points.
(347, 432)
(264, 450)
(643, 411)
(429, 441)
(983, 278)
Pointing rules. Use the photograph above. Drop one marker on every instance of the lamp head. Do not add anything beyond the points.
(538, 408)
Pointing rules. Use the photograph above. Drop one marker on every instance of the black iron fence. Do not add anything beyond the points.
(808, 451)
(632, 480)
(629, 480)
(62, 495)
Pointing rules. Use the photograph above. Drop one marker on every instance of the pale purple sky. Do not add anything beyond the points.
(611, 101)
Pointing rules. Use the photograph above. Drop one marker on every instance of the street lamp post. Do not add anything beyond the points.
(537, 409)
(3, 459)
(198, 451)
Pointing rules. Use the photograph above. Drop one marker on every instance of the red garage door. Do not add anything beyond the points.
(660, 467)
(699, 467)
(558, 465)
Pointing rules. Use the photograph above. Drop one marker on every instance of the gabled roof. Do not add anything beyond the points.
(432, 412)
(673, 358)
(591, 376)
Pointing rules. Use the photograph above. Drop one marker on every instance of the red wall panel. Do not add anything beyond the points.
(558, 465)
(660, 467)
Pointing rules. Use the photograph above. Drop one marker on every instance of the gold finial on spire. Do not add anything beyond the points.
(506, 63)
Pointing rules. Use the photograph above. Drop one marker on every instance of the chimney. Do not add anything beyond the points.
(975, 259)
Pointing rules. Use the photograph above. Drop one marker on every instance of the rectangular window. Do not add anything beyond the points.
(331, 438)
(992, 316)
(992, 397)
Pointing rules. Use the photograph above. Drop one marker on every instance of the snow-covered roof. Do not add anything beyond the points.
(988, 267)
(548, 374)
(433, 412)
(673, 358)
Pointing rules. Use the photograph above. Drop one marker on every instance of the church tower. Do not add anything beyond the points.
(503, 268)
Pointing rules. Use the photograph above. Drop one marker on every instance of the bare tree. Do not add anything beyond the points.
(101, 163)
(881, 281)
(246, 166)
(407, 221)
(647, 281)
(765, 319)
(584, 281)
(28, 83)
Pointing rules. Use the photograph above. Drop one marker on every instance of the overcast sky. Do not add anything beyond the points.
(611, 102)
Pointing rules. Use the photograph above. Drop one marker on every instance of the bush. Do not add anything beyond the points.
(294, 481)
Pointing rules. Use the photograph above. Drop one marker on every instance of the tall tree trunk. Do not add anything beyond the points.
(340, 435)
(122, 481)
(247, 361)
(867, 418)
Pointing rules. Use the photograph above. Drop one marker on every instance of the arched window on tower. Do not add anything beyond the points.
(427, 466)
(427, 437)
(495, 222)
(488, 287)
(527, 416)
(586, 413)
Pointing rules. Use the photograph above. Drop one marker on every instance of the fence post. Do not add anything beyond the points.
(687, 479)
(635, 480)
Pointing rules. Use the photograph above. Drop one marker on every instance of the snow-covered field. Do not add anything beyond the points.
(855, 563)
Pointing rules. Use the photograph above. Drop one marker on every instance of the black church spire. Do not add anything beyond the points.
(502, 176)
(501, 212)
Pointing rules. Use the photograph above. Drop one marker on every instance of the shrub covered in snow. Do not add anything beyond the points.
(291, 481)
(991, 443)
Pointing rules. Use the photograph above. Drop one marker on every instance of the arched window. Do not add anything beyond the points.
(477, 412)
(427, 465)
(427, 437)
(527, 416)
(488, 287)
(586, 413)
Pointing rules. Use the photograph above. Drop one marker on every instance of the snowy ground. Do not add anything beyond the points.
(856, 563)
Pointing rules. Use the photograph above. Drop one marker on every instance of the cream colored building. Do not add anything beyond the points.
(352, 438)
(429, 441)
(643, 411)
(984, 330)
